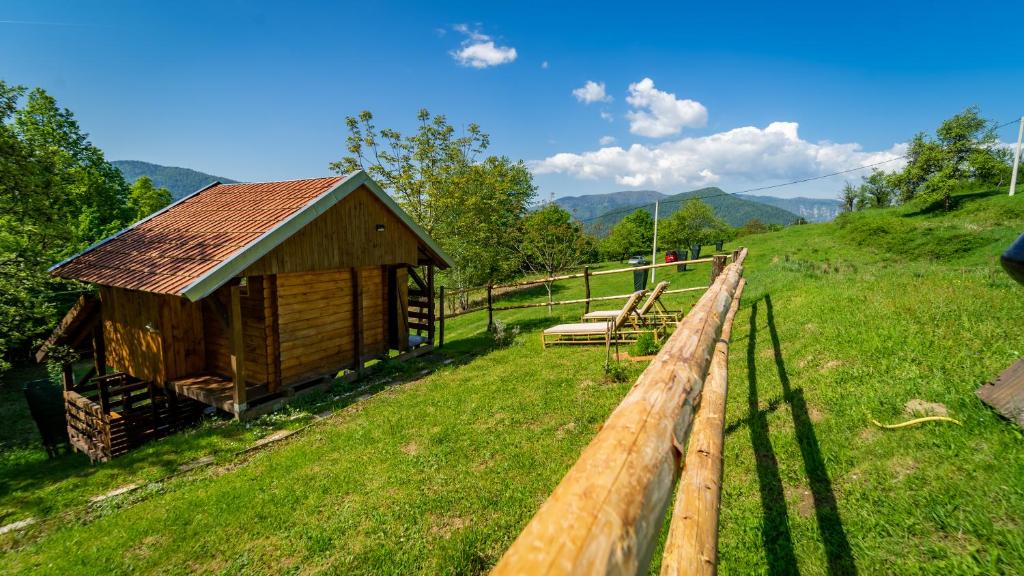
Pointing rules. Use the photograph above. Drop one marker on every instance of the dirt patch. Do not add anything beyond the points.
(831, 365)
(916, 407)
(767, 353)
(803, 498)
(565, 429)
(410, 448)
(443, 526)
(902, 467)
(815, 415)
(625, 356)
(868, 434)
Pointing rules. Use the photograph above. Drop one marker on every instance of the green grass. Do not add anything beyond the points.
(437, 473)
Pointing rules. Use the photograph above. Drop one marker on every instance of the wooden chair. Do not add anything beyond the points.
(591, 332)
(645, 314)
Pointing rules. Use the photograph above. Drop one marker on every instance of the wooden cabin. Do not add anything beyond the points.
(240, 294)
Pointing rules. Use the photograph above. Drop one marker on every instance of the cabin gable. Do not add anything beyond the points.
(345, 236)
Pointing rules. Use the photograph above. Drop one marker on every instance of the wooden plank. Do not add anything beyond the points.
(272, 332)
(238, 351)
(605, 515)
(1006, 393)
(692, 544)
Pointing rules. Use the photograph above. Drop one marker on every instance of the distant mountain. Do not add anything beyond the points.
(585, 208)
(734, 210)
(811, 209)
(180, 181)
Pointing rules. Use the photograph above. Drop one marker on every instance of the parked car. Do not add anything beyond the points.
(636, 261)
(671, 256)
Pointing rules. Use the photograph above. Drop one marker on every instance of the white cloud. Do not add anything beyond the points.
(750, 154)
(606, 140)
(591, 92)
(479, 50)
(544, 65)
(605, 115)
(661, 114)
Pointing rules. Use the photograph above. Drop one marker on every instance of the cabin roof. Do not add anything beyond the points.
(200, 242)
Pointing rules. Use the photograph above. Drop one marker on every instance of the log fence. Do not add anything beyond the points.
(606, 514)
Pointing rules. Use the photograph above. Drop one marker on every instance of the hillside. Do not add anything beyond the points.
(585, 208)
(841, 323)
(811, 209)
(734, 210)
(180, 181)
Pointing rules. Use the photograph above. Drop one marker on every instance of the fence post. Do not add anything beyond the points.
(717, 265)
(735, 255)
(440, 327)
(490, 308)
(586, 286)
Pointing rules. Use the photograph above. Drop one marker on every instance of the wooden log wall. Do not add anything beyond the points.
(605, 515)
(217, 333)
(153, 337)
(314, 323)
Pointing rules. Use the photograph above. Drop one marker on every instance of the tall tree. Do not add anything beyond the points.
(965, 148)
(694, 223)
(144, 198)
(633, 235)
(552, 243)
(471, 206)
(57, 195)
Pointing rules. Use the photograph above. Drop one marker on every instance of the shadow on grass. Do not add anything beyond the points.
(956, 202)
(775, 535)
(830, 525)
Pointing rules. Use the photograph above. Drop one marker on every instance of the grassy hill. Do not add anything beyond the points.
(180, 181)
(434, 467)
(811, 209)
(735, 210)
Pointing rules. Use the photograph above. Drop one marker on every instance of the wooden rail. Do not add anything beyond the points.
(606, 514)
(692, 544)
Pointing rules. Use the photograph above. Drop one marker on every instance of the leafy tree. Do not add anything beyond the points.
(144, 198)
(57, 195)
(552, 243)
(634, 234)
(849, 197)
(472, 207)
(877, 190)
(694, 223)
(964, 148)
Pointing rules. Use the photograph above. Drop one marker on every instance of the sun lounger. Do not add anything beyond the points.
(590, 332)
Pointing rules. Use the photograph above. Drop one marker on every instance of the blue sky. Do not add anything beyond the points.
(683, 95)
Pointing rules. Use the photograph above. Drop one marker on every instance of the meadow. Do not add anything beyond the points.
(435, 465)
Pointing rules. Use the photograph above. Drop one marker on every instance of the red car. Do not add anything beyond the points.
(671, 256)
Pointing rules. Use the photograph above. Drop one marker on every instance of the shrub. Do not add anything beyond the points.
(645, 345)
(504, 334)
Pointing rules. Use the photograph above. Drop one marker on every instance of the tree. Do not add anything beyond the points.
(634, 234)
(57, 195)
(965, 148)
(144, 198)
(552, 243)
(694, 223)
(849, 197)
(472, 207)
(877, 190)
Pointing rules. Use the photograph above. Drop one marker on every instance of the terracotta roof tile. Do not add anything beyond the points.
(174, 248)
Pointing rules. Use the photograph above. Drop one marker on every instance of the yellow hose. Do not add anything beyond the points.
(916, 421)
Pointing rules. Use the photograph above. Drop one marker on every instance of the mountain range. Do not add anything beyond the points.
(598, 211)
(179, 181)
(602, 211)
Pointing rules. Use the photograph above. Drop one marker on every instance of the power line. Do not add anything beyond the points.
(760, 188)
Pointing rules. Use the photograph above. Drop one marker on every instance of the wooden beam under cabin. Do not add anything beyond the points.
(238, 351)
